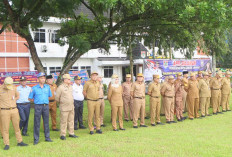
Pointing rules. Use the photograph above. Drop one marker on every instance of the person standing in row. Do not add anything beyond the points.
(91, 92)
(78, 103)
(162, 111)
(40, 96)
(52, 102)
(192, 96)
(226, 90)
(215, 85)
(200, 76)
(23, 105)
(65, 98)
(205, 94)
(138, 94)
(115, 99)
(168, 92)
(179, 92)
(101, 101)
(185, 81)
(127, 99)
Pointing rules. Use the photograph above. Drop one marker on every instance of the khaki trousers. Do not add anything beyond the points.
(154, 109)
(204, 103)
(169, 108)
(193, 107)
(128, 107)
(216, 101)
(102, 110)
(225, 102)
(66, 121)
(117, 111)
(139, 109)
(185, 105)
(6, 117)
(93, 111)
(0, 124)
(162, 111)
(52, 110)
(179, 109)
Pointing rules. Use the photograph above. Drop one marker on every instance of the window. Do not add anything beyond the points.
(88, 68)
(108, 71)
(54, 69)
(74, 68)
(39, 35)
(53, 37)
(45, 69)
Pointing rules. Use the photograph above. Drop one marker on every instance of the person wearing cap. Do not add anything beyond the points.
(192, 96)
(199, 75)
(162, 110)
(23, 105)
(138, 94)
(154, 93)
(9, 112)
(205, 94)
(127, 99)
(168, 92)
(91, 93)
(179, 91)
(40, 96)
(210, 79)
(78, 103)
(115, 99)
(226, 90)
(64, 96)
(184, 82)
(215, 85)
(52, 102)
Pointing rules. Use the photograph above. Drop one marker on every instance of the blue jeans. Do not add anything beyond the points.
(24, 113)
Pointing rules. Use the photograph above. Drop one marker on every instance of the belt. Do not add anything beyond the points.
(138, 97)
(51, 100)
(155, 96)
(92, 100)
(169, 96)
(215, 89)
(11, 108)
(23, 103)
(101, 98)
(42, 104)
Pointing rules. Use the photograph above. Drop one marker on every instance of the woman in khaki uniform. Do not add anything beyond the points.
(115, 99)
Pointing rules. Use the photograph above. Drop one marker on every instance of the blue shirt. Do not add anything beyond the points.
(23, 94)
(40, 95)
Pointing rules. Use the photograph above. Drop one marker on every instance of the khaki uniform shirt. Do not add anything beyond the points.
(179, 90)
(8, 97)
(126, 87)
(64, 97)
(192, 89)
(215, 86)
(115, 96)
(226, 89)
(138, 89)
(92, 89)
(53, 88)
(101, 91)
(154, 89)
(204, 88)
(168, 90)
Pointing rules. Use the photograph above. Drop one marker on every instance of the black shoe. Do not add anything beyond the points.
(62, 137)
(35, 143)
(103, 125)
(91, 132)
(22, 144)
(7, 147)
(143, 126)
(183, 118)
(168, 122)
(115, 129)
(75, 128)
(82, 127)
(209, 115)
(228, 110)
(49, 140)
(214, 113)
(220, 112)
(146, 117)
(159, 123)
(56, 129)
(152, 124)
(73, 136)
(135, 127)
(25, 134)
(223, 110)
(173, 121)
(126, 120)
(122, 129)
(191, 118)
(99, 131)
(203, 116)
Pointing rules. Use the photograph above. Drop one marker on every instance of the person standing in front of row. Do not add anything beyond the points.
(40, 96)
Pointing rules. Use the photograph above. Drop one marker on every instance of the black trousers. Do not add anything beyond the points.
(78, 109)
(24, 112)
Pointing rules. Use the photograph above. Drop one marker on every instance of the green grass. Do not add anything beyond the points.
(210, 136)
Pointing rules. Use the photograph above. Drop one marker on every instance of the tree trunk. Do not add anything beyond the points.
(131, 60)
(214, 62)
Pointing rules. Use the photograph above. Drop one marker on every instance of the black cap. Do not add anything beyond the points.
(49, 77)
(77, 78)
(185, 72)
(23, 78)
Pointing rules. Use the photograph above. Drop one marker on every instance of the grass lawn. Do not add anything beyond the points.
(208, 137)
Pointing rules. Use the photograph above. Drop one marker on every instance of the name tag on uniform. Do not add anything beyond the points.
(13, 97)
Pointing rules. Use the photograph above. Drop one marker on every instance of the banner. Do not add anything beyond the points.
(30, 75)
(164, 67)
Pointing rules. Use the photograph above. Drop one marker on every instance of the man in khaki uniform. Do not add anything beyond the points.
(138, 94)
(127, 99)
(199, 76)
(162, 111)
(168, 92)
(210, 78)
(179, 89)
(65, 98)
(192, 96)
(91, 92)
(226, 90)
(52, 101)
(205, 94)
(215, 85)
(154, 92)
(185, 81)
(9, 112)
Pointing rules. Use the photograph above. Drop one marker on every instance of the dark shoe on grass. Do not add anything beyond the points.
(56, 129)
(168, 122)
(115, 129)
(152, 124)
(223, 110)
(146, 117)
(25, 134)
(173, 121)
(82, 127)
(75, 128)
(191, 118)
(179, 120)
(36, 142)
(103, 125)
(209, 115)
(122, 129)
(98, 131)
(62, 137)
(135, 127)
(159, 123)
(203, 116)
(228, 110)
(49, 140)
(143, 125)
(214, 113)
(73, 136)
(7, 147)
(220, 112)
(22, 144)
(91, 132)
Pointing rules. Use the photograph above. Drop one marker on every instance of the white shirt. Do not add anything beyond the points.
(78, 92)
